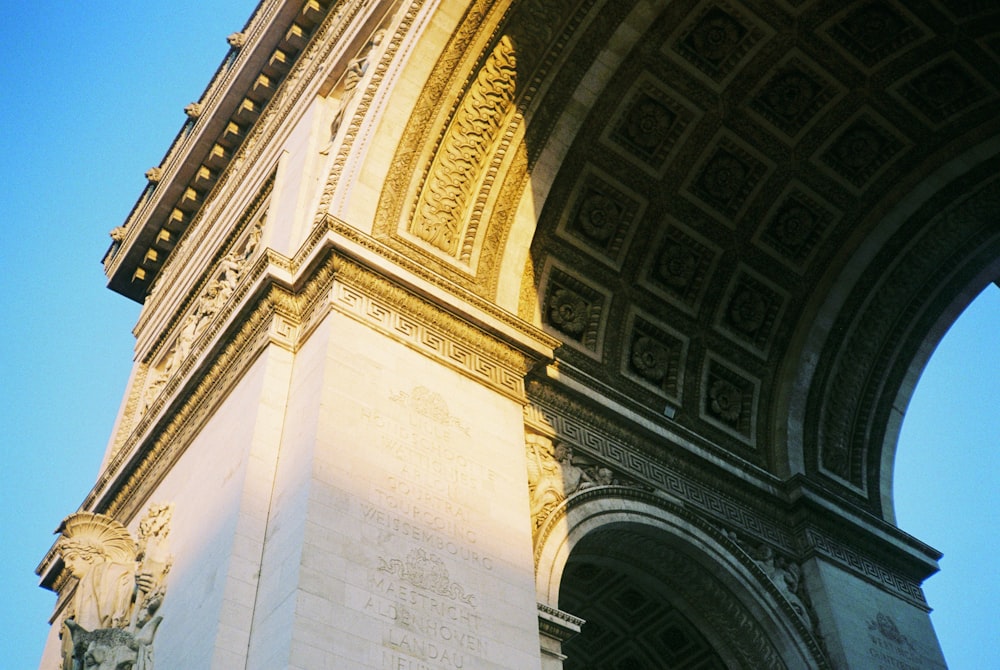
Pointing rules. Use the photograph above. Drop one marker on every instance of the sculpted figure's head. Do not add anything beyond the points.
(80, 556)
(89, 539)
(109, 648)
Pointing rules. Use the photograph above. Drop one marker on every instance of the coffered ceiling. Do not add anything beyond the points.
(745, 166)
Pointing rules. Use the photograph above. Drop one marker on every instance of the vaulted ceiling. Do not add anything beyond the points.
(769, 212)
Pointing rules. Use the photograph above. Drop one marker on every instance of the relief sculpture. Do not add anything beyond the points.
(120, 584)
(465, 150)
(554, 474)
(213, 298)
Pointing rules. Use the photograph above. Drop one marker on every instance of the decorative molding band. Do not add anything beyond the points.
(354, 236)
(473, 113)
(440, 216)
(276, 316)
(620, 453)
(872, 571)
(623, 453)
(558, 624)
(280, 301)
(855, 386)
(364, 105)
(394, 311)
(181, 256)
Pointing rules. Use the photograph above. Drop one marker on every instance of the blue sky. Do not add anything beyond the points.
(93, 95)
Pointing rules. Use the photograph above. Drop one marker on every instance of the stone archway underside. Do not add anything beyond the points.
(733, 172)
(628, 625)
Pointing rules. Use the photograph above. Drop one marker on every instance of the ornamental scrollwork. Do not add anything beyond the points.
(465, 150)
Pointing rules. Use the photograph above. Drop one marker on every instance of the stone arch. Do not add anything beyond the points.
(745, 617)
(878, 324)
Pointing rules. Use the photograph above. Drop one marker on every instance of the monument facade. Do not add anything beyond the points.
(539, 334)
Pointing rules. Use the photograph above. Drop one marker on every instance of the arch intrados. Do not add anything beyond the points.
(653, 582)
(925, 314)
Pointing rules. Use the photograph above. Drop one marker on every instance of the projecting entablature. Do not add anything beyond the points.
(260, 57)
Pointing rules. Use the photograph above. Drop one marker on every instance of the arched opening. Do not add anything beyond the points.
(662, 587)
(947, 476)
(632, 622)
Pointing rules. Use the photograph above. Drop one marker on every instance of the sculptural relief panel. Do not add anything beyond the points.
(215, 293)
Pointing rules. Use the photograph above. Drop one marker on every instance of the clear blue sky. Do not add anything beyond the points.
(93, 93)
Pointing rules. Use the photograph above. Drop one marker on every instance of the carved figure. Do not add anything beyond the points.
(100, 553)
(119, 587)
(213, 298)
(154, 563)
(552, 476)
(112, 648)
(787, 576)
(355, 71)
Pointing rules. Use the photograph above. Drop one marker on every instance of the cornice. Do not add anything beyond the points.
(292, 48)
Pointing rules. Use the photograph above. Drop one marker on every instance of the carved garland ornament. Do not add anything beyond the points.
(465, 150)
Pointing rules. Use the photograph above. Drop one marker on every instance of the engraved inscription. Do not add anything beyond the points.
(427, 508)
(890, 649)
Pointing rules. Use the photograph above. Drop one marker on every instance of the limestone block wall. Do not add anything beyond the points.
(399, 532)
(866, 627)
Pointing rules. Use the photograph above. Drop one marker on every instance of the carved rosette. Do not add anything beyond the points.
(944, 90)
(573, 310)
(793, 96)
(729, 400)
(678, 266)
(874, 31)
(861, 150)
(718, 40)
(728, 177)
(442, 209)
(655, 357)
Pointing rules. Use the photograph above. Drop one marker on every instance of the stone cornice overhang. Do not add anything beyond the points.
(244, 83)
